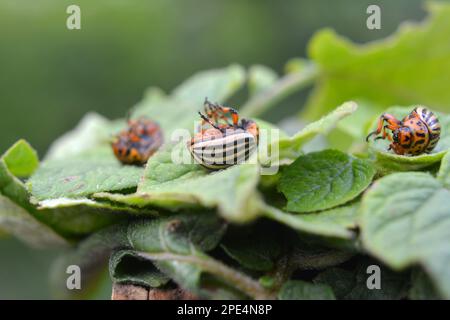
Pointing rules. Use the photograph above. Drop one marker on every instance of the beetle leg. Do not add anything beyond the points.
(393, 123)
(379, 128)
(224, 111)
(215, 111)
(385, 133)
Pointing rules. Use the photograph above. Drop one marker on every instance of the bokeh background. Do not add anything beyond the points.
(51, 76)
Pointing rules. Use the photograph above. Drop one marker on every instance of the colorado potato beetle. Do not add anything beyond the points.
(136, 143)
(417, 133)
(220, 143)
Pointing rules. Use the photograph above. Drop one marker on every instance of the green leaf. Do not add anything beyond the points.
(170, 185)
(180, 110)
(81, 163)
(350, 133)
(260, 78)
(91, 256)
(422, 287)
(388, 161)
(256, 247)
(177, 246)
(323, 180)
(21, 159)
(302, 290)
(126, 266)
(217, 84)
(444, 171)
(283, 87)
(352, 284)
(407, 68)
(92, 132)
(18, 222)
(405, 218)
(337, 222)
(76, 218)
(72, 220)
(296, 65)
(341, 281)
(82, 176)
(290, 148)
(182, 234)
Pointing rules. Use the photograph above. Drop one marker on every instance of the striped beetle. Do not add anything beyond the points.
(417, 133)
(223, 143)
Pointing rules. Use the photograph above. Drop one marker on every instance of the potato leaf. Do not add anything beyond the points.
(302, 290)
(323, 180)
(352, 284)
(21, 159)
(177, 246)
(260, 78)
(291, 147)
(82, 176)
(171, 186)
(91, 256)
(444, 171)
(336, 223)
(422, 288)
(18, 222)
(407, 68)
(126, 266)
(67, 221)
(405, 218)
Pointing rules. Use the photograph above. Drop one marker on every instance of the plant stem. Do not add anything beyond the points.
(241, 281)
(281, 89)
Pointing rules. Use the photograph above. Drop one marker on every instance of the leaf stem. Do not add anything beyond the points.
(241, 281)
(281, 89)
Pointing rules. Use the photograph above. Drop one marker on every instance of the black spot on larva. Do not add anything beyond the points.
(420, 134)
(420, 141)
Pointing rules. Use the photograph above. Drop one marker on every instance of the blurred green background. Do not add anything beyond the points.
(51, 76)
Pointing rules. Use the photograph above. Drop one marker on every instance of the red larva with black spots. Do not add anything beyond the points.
(135, 144)
(417, 133)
